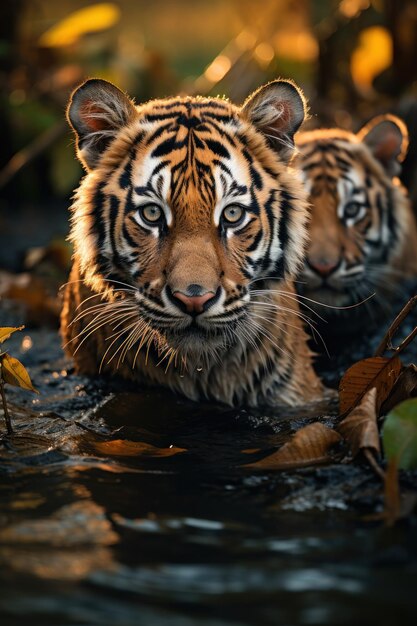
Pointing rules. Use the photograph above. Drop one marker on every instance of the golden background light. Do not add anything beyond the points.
(90, 19)
(371, 57)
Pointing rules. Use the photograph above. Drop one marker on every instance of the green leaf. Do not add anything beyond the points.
(399, 434)
(6, 331)
(14, 373)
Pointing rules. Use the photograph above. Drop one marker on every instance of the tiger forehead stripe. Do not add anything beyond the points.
(189, 147)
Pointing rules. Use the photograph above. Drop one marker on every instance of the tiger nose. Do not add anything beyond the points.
(194, 304)
(324, 267)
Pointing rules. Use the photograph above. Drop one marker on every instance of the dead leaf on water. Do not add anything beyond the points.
(379, 372)
(360, 428)
(309, 446)
(124, 447)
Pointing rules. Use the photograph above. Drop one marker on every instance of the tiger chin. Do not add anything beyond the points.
(363, 236)
(188, 229)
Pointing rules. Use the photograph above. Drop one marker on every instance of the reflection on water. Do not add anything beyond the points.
(140, 512)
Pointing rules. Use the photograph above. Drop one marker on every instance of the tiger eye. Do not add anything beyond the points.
(352, 209)
(233, 213)
(151, 212)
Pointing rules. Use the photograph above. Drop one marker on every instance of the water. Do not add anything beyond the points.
(127, 508)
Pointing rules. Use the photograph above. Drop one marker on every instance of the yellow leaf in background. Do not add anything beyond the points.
(6, 331)
(14, 373)
(87, 20)
(372, 56)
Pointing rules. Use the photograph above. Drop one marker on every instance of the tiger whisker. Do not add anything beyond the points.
(280, 307)
(100, 294)
(93, 330)
(114, 311)
(251, 334)
(270, 338)
(109, 314)
(101, 305)
(116, 337)
(286, 294)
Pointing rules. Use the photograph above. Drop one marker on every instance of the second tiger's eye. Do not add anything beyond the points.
(352, 209)
(151, 212)
(233, 214)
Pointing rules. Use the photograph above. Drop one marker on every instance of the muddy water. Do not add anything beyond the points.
(135, 508)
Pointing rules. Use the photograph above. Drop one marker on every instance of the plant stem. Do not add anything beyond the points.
(386, 341)
(7, 417)
(373, 463)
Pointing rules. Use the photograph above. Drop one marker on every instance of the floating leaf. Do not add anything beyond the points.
(309, 446)
(360, 428)
(399, 435)
(379, 372)
(124, 447)
(6, 331)
(14, 373)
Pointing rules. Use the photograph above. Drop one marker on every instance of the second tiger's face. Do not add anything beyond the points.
(194, 215)
(353, 226)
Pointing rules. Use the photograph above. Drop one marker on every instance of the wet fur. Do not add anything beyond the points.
(245, 365)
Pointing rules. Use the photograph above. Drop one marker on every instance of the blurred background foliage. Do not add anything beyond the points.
(353, 58)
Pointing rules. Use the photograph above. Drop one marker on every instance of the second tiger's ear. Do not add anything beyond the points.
(387, 138)
(96, 111)
(277, 110)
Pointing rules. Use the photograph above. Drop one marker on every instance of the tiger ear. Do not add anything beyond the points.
(277, 110)
(96, 111)
(387, 138)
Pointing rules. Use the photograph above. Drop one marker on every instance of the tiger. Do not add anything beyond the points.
(363, 236)
(188, 229)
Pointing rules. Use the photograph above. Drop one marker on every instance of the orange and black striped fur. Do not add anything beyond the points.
(188, 229)
(363, 237)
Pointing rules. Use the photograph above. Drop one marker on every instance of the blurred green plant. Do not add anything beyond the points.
(399, 435)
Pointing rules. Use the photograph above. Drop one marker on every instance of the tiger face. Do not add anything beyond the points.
(187, 204)
(361, 230)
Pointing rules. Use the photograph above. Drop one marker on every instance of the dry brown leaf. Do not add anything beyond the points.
(404, 388)
(309, 446)
(379, 372)
(124, 447)
(14, 373)
(360, 428)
